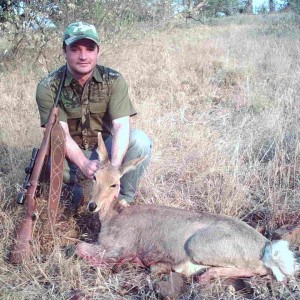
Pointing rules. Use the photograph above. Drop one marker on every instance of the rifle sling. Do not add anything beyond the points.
(57, 155)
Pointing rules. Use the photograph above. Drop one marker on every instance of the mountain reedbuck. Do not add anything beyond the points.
(170, 239)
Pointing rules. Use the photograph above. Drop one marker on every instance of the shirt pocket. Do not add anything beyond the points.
(97, 112)
(98, 108)
(74, 113)
(74, 116)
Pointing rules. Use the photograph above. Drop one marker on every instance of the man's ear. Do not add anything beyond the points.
(131, 165)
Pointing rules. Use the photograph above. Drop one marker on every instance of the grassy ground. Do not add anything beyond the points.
(221, 103)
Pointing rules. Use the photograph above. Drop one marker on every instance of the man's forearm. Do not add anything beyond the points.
(76, 155)
(119, 147)
(120, 141)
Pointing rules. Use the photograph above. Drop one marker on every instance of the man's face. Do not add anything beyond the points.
(82, 57)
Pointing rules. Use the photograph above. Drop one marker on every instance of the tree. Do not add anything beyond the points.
(248, 8)
(271, 5)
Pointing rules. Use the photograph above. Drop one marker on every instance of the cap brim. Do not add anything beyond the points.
(73, 39)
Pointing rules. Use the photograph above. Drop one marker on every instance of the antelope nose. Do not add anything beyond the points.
(92, 206)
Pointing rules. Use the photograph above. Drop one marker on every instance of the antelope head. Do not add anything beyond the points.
(106, 185)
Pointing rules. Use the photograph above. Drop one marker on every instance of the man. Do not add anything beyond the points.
(94, 99)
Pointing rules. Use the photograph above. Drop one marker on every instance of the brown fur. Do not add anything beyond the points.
(167, 238)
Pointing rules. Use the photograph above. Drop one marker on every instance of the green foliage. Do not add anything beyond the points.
(295, 5)
(228, 7)
(29, 26)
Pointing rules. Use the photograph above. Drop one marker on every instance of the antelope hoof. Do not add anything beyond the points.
(90, 253)
(124, 203)
(204, 278)
(172, 288)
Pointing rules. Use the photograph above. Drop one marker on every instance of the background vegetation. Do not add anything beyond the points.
(220, 101)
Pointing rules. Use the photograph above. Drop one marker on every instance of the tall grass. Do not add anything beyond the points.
(221, 104)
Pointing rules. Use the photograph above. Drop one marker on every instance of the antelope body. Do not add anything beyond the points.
(171, 239)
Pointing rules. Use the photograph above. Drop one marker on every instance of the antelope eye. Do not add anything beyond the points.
(113, 185)
(94, 178)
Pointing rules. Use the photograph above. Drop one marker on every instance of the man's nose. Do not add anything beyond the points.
(83, 54)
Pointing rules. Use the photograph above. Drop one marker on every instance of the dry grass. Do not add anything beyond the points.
(221, 103)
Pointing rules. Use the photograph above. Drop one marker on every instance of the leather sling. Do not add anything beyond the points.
(57, 155)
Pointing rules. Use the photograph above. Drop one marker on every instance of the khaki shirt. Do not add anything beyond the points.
(89, 109)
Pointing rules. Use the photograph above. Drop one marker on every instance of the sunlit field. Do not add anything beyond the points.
(220, 102)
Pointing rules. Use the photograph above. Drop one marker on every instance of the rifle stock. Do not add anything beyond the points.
(21, 249)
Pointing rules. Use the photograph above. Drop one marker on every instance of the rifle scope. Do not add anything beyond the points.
(26, 183)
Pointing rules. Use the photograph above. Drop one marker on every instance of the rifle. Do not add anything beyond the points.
(54, 142)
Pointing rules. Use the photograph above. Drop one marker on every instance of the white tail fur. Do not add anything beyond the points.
(280, 259)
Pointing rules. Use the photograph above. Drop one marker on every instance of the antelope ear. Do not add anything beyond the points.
(101, 150)
(131, 165)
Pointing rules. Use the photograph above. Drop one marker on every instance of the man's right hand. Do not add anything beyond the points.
(90, 167)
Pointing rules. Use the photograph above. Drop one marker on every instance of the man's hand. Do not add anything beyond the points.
(89, 168)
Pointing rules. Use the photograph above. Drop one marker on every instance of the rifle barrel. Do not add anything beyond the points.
(61, 83)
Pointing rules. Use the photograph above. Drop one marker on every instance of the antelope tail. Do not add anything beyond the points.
(280, 259)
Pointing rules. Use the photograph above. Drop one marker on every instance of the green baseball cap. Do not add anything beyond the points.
(78, 31)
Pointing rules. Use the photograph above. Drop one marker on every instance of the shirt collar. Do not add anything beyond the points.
(96, 75)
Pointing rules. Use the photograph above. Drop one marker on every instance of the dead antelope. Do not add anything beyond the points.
(170, 239)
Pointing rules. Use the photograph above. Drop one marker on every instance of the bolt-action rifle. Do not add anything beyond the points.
(53, 146)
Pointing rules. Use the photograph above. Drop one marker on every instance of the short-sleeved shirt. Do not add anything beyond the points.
(89, 109)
